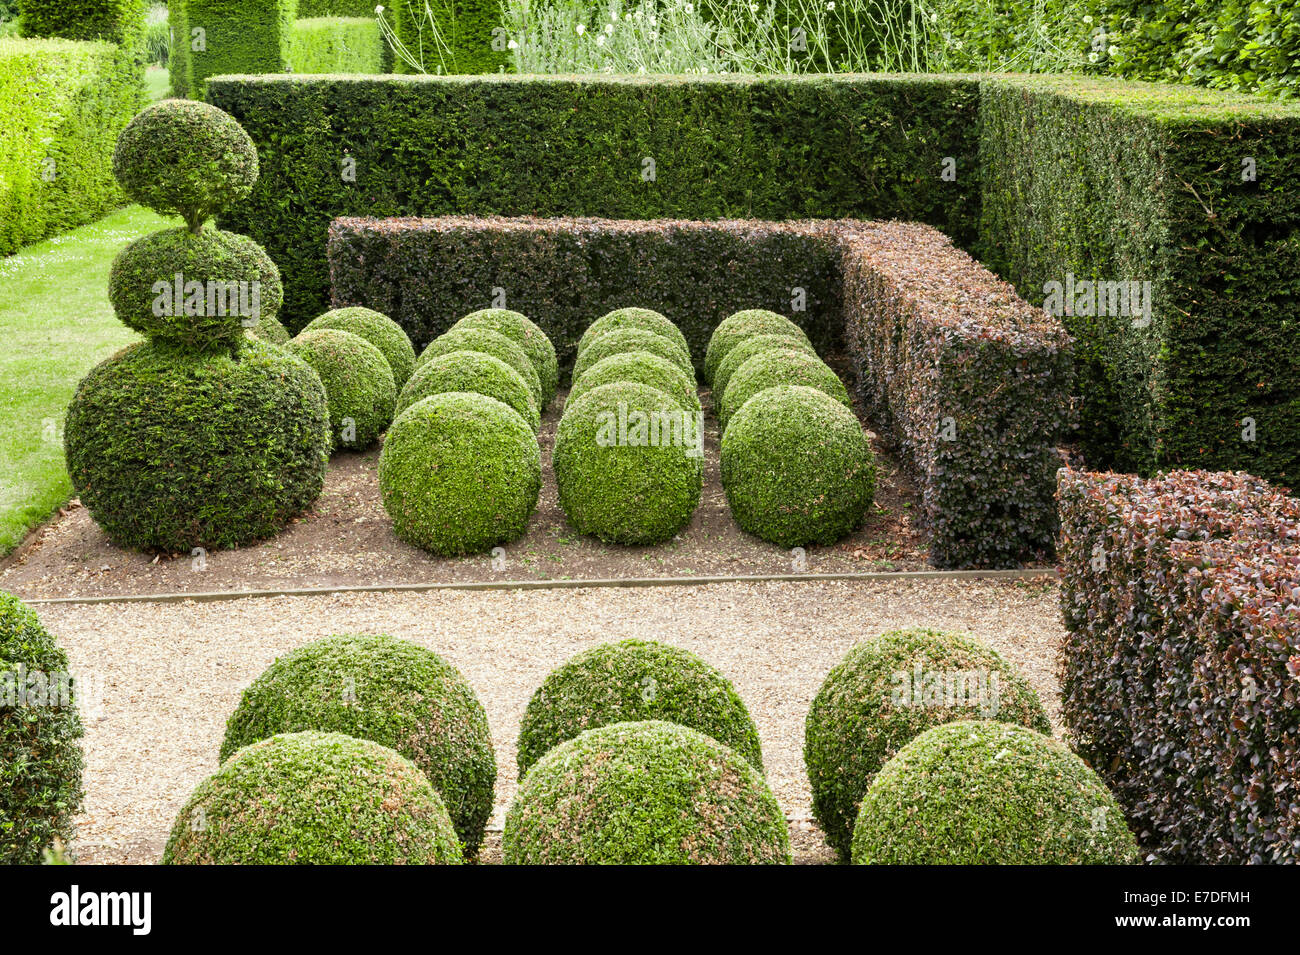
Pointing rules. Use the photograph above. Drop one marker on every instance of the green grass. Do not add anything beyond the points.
(55, 323)
(157, 84)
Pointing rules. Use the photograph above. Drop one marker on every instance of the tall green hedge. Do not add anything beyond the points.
(1119, 181)
(64, 103)
(336, 8)
(336, 45)
(237, 36)
(464, 41)
(117, 21)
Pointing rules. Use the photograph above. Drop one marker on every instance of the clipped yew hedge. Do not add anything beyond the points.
(1179, 667)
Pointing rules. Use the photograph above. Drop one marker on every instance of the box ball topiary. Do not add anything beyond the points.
(797, 469)
(200, 290)
(747, 349)
(632, 340)
(472, 371)
(269, 330)
(40, 738)
(489, 343)
(979, 792)
(628, 463)
(643, 368)
(358, 384)
(885, 692)
(173, 449)
(186, 158)
(738, 326)
(630, 681)
(645, 319)
(773, 368)
(376, 328)
(516, 327)
(391, 692)
(459, 474)
(644, 793)
(314, 798)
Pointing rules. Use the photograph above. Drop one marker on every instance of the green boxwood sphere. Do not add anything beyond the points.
(376, 328)
(988, 793)
(459, 474)
(630, 681)
(314, 799)
(643, 368)
(643, 318)
(620, 487)
(186, 158)
(358, 383)
(390, 692)
(527, 336)
(489, 343)
(172, 449)
(745, 324)
(228, 283)
(648, 793)
(40, 734)
(472, 371)
(747, 349)
(772, 368)
(271, 331)
(889, 690)
(797, 468)
(632, 340)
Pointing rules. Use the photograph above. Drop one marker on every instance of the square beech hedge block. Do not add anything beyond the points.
(968, 381)
(1180, 672)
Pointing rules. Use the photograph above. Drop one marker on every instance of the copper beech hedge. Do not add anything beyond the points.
(1180, 672)
(969, 382)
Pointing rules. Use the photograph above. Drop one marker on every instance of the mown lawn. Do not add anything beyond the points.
(55, 324)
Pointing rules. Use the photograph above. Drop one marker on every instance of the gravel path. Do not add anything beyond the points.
(168, 675)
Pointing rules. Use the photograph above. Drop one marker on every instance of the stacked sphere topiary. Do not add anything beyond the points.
(989, 793)
(771, 369)
(741, 325)
(204, 435)
(314, 798)
(645, 319)
(376, 328)
(389, 691)
(631, 681)
(640, 367)
(487, 342)
(359, 386)
(748, 348)
(644, 793)
(885, 692)
(796, 467)
(623, 340)
(459, 473)
(469, 371)
(40, 734)
(524, 333)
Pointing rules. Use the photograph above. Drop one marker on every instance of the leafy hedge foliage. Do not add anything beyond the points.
(969, 382)
(469, 371)
(336, 45)
(748, 348)
(79, 97)
(378, 329)
(314, 799)
(626, 340)
(643, 368)
(40, 733)
(239, 36)
(772, 369)
(646, 319)
(520, 330)
(459, 474)
(309, 9)
(647, 793)
(464, 42)
(121, 22)
(989, 793)
(1179, 668)
(630, 681)
(173, 449)
(1210, 379)
(391, 692)
(358, 380)
(890, 689)
(487, 342)
(737, 327)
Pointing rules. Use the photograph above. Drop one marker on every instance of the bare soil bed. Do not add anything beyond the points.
(346, 539)
(163, 677)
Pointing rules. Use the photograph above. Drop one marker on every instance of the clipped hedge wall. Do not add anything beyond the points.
(116, 21)
(1119, 181)
(336, 45)
(239, 36)
(1182, 651)
(970, 383)
(464, 42)
(722, 147)
(79, 96)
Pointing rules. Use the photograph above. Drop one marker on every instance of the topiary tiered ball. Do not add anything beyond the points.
(735, 328)
(391, 692)
(520, 330)
(314, 798)
(888, 690)
(989, 793)
(644, 793)
(202, 436)
(631, 681)
(376, 328)
(358, 380)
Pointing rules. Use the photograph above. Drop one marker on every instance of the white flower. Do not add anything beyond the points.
(689, 8)
(1092, 57)
(512, 45)
(627, 17)
(830, 5)
(581, 29)
(1112, 49)
(1087, 19)
(379, 9)
(654, 21)
(609, 29)
(654, 34)
(600, 40)
(613, 17)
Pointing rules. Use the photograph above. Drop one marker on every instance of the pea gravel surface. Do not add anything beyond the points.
(160, 679)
